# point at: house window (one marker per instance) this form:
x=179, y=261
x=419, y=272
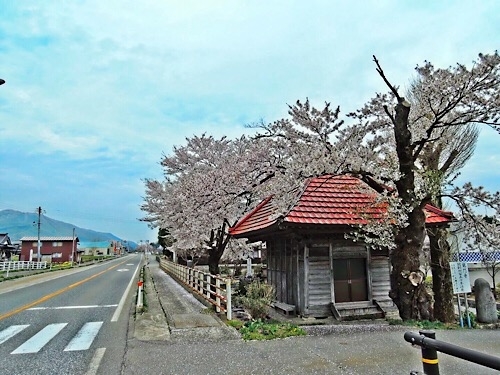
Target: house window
x=56, y=255
x=56, y=244
x=35, y=244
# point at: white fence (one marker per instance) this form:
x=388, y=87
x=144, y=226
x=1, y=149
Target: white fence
x=214, y=289
x=16, y=266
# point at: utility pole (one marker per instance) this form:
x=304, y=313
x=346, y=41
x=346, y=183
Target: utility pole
x=73, y=250
x=38, y=256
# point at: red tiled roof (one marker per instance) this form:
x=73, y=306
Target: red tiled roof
x=434, y=215
x=335, y=200
x=328, y=200
x=258, y=218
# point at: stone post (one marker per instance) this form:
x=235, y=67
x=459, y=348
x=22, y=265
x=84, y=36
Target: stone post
x=486, y=306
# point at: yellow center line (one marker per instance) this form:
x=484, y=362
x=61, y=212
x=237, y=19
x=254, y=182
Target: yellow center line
x=56, y=293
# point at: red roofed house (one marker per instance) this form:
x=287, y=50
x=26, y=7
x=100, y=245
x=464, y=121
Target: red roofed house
x=314, y=269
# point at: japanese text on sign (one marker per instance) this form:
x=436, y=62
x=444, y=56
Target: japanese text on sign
x=460, y=277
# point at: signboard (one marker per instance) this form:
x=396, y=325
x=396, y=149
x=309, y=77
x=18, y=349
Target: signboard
x=460, y=277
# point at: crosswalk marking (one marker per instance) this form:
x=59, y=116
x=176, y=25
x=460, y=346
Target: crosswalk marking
x=11, y=331
x=81, y=341
x=37, y=342
x=84, y=337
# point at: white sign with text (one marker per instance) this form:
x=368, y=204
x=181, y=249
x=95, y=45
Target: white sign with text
x=460, y=277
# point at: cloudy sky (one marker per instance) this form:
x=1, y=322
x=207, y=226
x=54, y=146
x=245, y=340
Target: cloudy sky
x=96, y=91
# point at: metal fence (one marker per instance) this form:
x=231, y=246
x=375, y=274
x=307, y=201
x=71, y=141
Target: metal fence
x=430, y=347
x=214, y=289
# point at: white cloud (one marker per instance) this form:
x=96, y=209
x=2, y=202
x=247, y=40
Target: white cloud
x=124, y=81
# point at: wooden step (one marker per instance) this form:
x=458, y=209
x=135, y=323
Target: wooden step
x=356, y=310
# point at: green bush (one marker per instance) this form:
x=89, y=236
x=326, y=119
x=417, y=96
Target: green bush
x=256, y=299
x=259, y=330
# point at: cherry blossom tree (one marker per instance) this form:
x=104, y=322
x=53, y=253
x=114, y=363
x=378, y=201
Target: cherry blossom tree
x=451, y=98
x=442, y=159
x=209, y=184
x=388, y=141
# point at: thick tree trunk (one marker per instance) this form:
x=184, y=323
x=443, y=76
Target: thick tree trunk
x=441, y=275
x=408, y=290
x=218, y=242
x=213, y=262
x=407, y=280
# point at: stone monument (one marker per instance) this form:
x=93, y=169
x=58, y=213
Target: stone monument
x=486, y=306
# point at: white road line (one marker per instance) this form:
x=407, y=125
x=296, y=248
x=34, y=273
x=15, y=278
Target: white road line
x=96, y=361
x=11, y=331
x=84, y=337
x=70, y=307
x=118, y=310
x=37, y=342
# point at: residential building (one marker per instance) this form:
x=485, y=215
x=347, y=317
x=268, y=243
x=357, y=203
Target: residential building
x=52, y=249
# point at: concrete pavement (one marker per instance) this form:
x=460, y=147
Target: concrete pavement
x=174, y=314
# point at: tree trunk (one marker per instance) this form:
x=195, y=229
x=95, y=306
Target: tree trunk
x=441, y=276
x=408, y=290
x=494, y=270
x=218, y=242
x=213, y=262
x=407, y=280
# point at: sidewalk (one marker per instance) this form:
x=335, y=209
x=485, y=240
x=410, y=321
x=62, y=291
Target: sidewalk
x=173, y=313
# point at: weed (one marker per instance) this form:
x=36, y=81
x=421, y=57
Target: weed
x=256, y=299
x=472, y=317
x=423, y=324
x=260, y=330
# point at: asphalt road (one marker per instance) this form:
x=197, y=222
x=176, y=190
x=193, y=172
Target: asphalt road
x=117, y=344
x=68, y=322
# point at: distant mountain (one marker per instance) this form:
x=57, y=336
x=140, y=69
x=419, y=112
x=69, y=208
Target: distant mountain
x=19, y=224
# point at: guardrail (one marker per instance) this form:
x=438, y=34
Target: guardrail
x=22, y=265
x=430, y=346
x=214, y=289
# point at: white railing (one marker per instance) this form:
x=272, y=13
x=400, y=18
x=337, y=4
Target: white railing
x=16, y=266
x=214, y=289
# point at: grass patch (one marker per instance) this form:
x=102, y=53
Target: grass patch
x=423, y=324
x=261, y=330
x=60, y=266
